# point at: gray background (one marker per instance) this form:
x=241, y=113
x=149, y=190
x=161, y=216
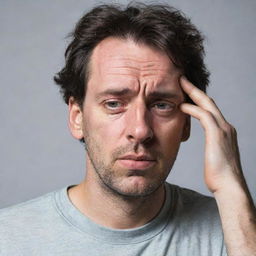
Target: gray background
x=38, y=154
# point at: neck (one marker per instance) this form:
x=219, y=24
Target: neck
x=112, y=210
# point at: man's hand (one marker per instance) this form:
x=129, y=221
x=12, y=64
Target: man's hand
x=222, y=161
x=223, y=173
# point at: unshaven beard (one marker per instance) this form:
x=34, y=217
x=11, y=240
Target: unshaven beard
x=106, y=178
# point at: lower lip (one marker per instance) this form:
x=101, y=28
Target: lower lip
x=138, y=165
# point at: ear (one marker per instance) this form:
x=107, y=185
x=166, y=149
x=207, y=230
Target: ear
x=75, y=120
x=186, y=129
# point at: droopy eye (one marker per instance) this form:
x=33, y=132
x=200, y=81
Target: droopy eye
x=163, y=106
x=113, y=104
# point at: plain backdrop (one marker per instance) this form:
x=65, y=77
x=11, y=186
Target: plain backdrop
x=37, y=152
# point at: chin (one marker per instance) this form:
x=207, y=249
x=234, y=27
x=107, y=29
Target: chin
x=135, y=186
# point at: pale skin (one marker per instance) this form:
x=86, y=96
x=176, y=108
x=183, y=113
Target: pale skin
x=138, y=128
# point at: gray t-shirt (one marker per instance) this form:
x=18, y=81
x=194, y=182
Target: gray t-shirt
x=188, y=224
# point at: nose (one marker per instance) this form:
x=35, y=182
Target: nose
x=139, y=128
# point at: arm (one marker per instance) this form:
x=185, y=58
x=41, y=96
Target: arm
x=223, y=173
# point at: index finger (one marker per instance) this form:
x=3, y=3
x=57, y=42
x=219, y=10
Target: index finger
x=201, y=99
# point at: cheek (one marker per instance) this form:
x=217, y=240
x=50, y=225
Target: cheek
x=104, y=129
x=169, y=132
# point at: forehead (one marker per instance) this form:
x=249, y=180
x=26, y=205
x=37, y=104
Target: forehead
x=115, y=59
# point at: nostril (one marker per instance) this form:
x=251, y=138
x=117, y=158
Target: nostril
x=141, y=139
x=130, y=137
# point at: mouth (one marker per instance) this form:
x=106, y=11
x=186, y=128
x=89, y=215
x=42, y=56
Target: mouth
x=137, y=162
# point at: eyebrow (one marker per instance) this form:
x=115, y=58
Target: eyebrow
x=127, y=91
x=116, y=92
x=163, y=95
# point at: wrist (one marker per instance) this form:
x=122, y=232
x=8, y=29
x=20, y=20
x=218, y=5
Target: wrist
x=232, y=181
x=233, y=193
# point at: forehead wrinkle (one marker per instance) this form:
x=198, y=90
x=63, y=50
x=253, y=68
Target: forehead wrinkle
x=137, y=74
x=130, y=61
x=144, y=65
x=152, y=70
x=146, y=79
x=140, y=72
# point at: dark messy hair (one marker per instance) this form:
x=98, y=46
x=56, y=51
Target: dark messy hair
x=159, y=26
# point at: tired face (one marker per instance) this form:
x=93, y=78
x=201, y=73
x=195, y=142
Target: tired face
x=130, y=119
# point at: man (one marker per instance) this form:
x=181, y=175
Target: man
x=132, y=79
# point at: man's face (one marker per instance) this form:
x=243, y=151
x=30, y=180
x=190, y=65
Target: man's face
x=130, y=120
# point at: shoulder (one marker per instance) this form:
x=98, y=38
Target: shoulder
x=33, y=206
x=27, y=218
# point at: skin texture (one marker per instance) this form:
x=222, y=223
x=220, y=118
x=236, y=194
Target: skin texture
x=132, y=126
x=133, y=133
x=135, y=123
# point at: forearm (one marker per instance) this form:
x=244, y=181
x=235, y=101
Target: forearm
x=223, y=173
x=238, y=217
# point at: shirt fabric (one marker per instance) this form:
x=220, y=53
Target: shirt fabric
x=188, y=224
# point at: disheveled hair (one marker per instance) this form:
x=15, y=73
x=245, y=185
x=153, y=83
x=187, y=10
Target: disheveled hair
x=156, y=25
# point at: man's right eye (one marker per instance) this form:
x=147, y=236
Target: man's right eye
x=113, y=104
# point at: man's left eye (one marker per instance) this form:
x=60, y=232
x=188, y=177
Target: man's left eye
x=163, y=106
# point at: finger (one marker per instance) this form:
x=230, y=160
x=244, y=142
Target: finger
x=201, y=99
x=206, y=118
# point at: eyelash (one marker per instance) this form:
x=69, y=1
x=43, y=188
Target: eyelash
x=120, y=108
x=112, y=101
x=171, y=105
